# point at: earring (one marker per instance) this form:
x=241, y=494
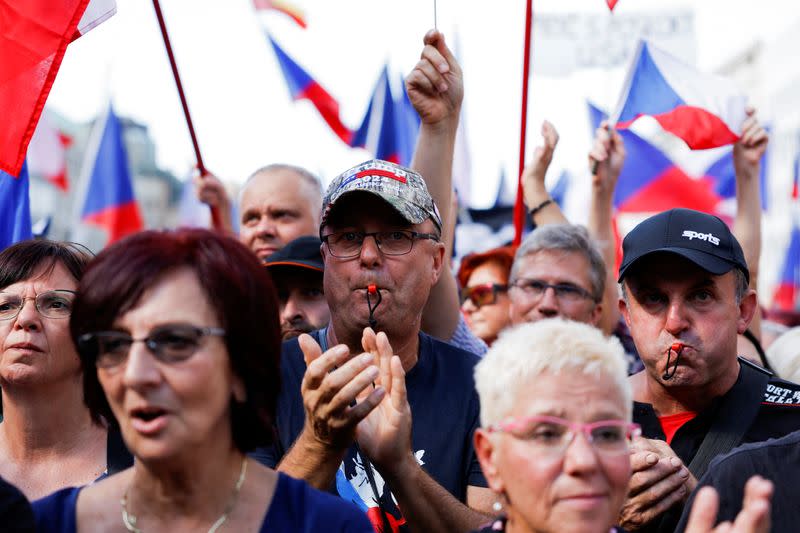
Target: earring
x=497, y=507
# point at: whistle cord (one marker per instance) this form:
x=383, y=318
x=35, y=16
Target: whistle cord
x=373, y=323
x=677, y=348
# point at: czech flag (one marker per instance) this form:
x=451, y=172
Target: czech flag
x=651, y=182
x=705, y=111
x=785, y=296
x=379, y=132
x=302, y=86
x=34, y=35
x=721, y=174
x=110, y=203
x=15, y=209
x=408, y=122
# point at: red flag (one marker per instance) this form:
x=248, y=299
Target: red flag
x=33, y=38
x=611, y=4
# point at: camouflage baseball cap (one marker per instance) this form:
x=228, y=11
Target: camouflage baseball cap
x=401, y=187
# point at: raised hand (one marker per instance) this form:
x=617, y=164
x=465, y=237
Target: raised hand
x=753, y=518
x=436, y=85
x=748, y=151
x=608, y=154
x=385, y=433
x=535, y=171
x=331, y=384
x=211, y=191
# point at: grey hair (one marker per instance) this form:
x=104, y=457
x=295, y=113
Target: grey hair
x=551, y=346
x=568, y=238
x=304, y=174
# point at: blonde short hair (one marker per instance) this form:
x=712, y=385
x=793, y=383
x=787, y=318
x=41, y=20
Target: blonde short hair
x=554, y=345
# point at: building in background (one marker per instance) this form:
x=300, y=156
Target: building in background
x=156, y=190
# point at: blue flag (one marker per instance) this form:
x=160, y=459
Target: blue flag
x=15, y=208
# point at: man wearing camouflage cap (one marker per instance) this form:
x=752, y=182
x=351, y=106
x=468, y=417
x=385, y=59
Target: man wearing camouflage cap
x=387, y=420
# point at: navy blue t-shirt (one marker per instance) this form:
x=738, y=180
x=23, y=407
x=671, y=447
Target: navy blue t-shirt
x=777, y=460
x=295, y=507
x=445, y=413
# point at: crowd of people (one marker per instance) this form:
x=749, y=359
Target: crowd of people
x=327, y=369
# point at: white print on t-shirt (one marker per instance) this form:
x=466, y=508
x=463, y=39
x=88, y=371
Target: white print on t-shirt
x=780, y=395
x=360, y=482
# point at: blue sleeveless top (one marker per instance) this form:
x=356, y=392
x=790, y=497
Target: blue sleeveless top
x=295, y=507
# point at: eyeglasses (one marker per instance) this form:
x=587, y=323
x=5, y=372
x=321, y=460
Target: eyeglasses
x=565, y=292
x=50, y=304
x=347, y=244
x=480, y=295
x=169, y=344
x=552, y=436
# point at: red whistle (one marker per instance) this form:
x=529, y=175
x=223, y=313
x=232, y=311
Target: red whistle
x=676, y=347
x=372, y=289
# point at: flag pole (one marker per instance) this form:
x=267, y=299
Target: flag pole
x=519, y=206
x=215, y=216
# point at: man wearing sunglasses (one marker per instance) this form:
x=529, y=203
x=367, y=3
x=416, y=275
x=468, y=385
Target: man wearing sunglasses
x=557, y=272
x=390, y=429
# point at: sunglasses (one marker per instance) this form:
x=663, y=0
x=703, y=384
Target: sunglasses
x=169, y=344
x=480, y=295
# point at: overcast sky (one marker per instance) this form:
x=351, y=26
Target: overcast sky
x=241, y=107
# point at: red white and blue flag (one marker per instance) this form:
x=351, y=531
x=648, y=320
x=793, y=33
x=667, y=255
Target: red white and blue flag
x=721, y=174
x=303, y=86
x=110, y=202
x=380, y=132
x=651, y=182
x=786, y=292
x=703, y=110
x=15, y=211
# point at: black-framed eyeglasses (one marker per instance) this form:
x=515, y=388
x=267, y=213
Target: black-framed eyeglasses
x=483, y=294
x=565, y=292
x=169, y=344
x=49, y=304
x=347, y=244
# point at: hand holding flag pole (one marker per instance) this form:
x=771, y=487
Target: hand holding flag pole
x=216, y=220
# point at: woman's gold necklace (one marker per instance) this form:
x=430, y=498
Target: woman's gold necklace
x=129, y=519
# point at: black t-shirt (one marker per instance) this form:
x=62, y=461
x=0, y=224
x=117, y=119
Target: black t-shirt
x=15, y=511
x=445, y=413
x=778, y=415
x=777, y=460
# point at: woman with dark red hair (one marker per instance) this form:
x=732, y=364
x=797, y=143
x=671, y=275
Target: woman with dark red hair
x=179, y=342
x=484, y=294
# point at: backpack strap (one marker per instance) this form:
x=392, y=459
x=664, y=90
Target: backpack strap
x=734, y=417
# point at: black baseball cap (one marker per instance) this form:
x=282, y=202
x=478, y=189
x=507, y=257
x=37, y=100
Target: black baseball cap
x=703, y=239
x=303, y=252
